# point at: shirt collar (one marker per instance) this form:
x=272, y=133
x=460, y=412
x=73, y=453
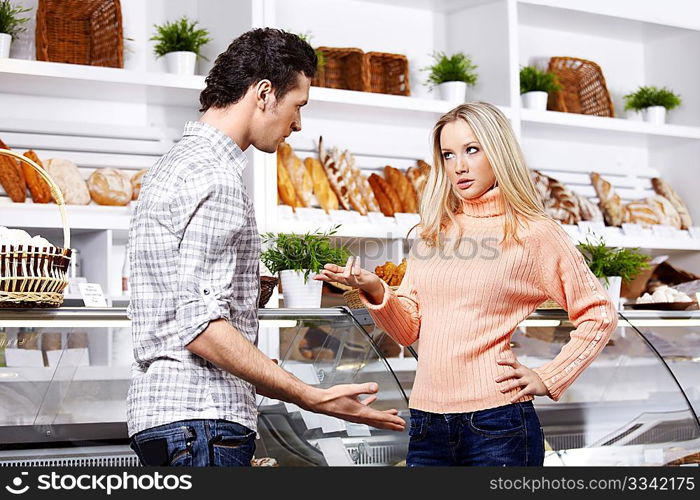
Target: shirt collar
x=221, y=144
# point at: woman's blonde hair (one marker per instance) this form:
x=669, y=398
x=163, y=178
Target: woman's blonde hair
x=492, y=129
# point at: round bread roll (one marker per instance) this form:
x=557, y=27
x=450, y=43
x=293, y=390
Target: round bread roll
x=66, y=174
x=136, y=181
x=109, y=186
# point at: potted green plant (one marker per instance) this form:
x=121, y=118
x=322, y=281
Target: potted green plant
x=180, y=42
x=451, y=75
x=535, y=86
x=613, y=265
x=11, y=25
x=653, y=102
x=298, y=258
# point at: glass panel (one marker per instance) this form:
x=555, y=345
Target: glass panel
x=326, y=350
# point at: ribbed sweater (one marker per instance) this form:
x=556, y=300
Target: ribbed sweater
x=464, y=306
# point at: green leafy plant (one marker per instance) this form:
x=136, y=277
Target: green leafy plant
x=180, y=35
x=319, y=55
x=645, y=97
x=455, y=68
x=534, y=79
x=10, y=22
x=604, y=261
x=308, y=252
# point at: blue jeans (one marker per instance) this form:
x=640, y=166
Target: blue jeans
x=195, y=443
x=505, y=436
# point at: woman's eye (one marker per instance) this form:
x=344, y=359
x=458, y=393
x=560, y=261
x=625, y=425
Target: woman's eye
x=447, y=156
x=471, y=150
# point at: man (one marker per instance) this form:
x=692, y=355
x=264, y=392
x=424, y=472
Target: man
x=195, y=249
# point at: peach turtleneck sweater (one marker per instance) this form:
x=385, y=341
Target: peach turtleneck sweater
x=464, y=305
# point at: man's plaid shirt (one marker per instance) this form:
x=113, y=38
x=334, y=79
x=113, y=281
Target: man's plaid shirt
x=194, y=251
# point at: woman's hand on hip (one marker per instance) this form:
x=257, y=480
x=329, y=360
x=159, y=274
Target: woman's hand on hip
x=352, y=275
x=522, y=377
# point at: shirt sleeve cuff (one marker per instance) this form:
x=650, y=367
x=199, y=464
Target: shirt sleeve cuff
x=554, y=390
x=196, y=309
x=376, y=307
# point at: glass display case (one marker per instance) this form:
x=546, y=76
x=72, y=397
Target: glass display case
x=64, y=375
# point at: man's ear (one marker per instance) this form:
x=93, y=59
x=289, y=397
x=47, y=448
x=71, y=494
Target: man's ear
x=263, y=94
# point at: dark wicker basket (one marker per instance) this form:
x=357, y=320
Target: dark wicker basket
x=343, y=69
x=80, y=32
x=583, y=89
x=267, y=286
x=387, y=73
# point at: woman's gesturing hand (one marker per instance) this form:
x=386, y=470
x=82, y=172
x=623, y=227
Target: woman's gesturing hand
x=520, y=377
x=353, y=275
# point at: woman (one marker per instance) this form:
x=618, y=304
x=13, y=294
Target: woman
x=487, y=255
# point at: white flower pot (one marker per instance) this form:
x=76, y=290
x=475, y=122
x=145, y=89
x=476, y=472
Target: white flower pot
x=180, y=63
x=654, y=114
x=298, y=294
x=5, y=42
x=613, y=288
x=453, y=91
x=535, y=99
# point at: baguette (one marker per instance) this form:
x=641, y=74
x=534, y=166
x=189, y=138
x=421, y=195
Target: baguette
x=285, y=188
x=664, y=189
x=38, y=188
x=610, y=202
x=377, y=184
x=300, y=177
x=405, y=190
x=12, y=177
x=321, y=186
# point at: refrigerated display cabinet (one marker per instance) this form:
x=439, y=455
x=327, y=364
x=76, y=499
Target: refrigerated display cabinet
x=65, y=375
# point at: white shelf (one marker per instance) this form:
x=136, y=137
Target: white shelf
x=614, y=237
x=65, y=373
x=576, y=122
x=88, y=217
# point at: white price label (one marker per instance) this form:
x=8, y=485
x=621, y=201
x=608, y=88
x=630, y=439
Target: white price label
x=694, y=231
x=595, y=227
x=92, y=295
x=632, y=229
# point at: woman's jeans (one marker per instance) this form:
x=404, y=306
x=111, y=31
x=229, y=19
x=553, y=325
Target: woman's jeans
x=195, y=443
x=505, y=436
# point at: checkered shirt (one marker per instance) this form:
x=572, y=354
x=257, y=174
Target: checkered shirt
x=194, y=253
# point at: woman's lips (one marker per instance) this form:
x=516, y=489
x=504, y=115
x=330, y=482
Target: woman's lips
x=465, y=184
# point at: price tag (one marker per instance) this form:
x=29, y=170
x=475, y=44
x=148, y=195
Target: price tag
x=312, y=215
x=404, y=219
x=285, y=212
x=595, y=227
x=663, y=231
x=92, y=295
x=694, y=232
x=632, y=229
x=377, y=218
x=343, y=216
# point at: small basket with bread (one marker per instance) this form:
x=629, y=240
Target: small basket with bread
x=390, y=273
x=33, y=273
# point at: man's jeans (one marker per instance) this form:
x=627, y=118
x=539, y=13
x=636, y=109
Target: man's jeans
x=505, y=436
x=195, y=443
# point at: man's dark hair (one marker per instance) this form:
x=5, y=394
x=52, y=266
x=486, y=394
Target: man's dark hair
x=259, y=54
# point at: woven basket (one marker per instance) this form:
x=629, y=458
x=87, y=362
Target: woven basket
x=352, y=297
x=549, y=304
x=387, y=73
x=267, y=286
x=32, y=276
x=343, y=69
x=80, y=32
x=583, y=89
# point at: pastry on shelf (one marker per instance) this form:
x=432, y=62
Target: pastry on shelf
x=12, y=177
x=386, y=196
x=300, y=177
x=66, y=175
x=391, y=273
x=323, y=191
x=559, y=202
x=136, y=181
x=664, y=189
x=109, y=186
x=285, y=189
x=418, y=176
x=588, y=211
x=651, y=211
x=610, y=202
x=38, y=188
x=664, y=293
x=407, y=194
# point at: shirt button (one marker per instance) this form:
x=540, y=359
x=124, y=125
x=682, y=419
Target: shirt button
x=206, y=291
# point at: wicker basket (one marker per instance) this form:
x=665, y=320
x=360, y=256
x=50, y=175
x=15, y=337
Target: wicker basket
x=549, y=304
x=267, y=286
x=80, y=32
x=352, y=297
x=583, y=88
x=387, y=73
x=32, y=276
x=343, y=69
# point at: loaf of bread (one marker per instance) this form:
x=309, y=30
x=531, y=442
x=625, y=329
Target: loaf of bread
x=666, y=211
x=640, y=212
x=12, y=177
x=109, y=186
x=347, y=181
x=563, y=202
x=588, y=210
x=664, y=189
x=66, y=175
x=404, y=188
x=285, y=188
x=38, y=188
x=301, y=179
x=418, y=176
x=323, y=191
x=610, y=203
x=378, y=184
x=136, y=181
